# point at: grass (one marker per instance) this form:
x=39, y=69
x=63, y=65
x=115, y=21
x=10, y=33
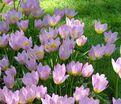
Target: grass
x=107, y=11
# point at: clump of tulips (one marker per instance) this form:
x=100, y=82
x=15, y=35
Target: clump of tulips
x=36, y=64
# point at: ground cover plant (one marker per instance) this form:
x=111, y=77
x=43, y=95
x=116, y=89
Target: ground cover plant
x=62, y=57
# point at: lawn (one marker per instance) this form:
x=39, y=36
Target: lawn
x=107, y=11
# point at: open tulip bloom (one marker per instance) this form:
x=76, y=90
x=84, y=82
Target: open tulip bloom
x=48, y=58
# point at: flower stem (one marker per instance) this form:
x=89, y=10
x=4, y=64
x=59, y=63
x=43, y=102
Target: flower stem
x=60, y=89
x=116, y=93
x=71, y=88
x=2, y=7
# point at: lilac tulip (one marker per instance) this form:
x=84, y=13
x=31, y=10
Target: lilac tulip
x=116, y=101
x=81, y=40
x=100, y=28
x=88, y=100
x=26, y=43
x=4, y=63
x=26, y=7
x=87, y=70
x=37, y=52
x=64, y=31
x=23, y=24
x=31, y=64
x=4, y=27
x=22, y=57
x=4, y=40
x=9, y=81
x=74, y=23
x=96, y=52
x=59, y=12
x=46, y=35
x=70, y=13
x=59, y=74
x=109, y=49
x=110, y=37
x=64, y=52
x=43, y=71
x=55, y=99
x=66, y=49
x=117, y=66
x=52, y=45
x=30, y=79
x=52, y=20
x=74, y=68
x=41, y=91
x=9, y=96
x=15, y=40
x=38, y=24
x=11, y=71
x=37, y=12
x=13, y=16
x=81, y=92
x=99, y=82
x=27, y=94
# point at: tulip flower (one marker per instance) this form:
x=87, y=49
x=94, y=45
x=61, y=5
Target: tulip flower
x=64, y=31
x=74, y=23
x=37, y=52
x=11, y=71
x=59, y=12
x=22, y=57
x=4, y=27
x=81, y=92
x=9, y=81
x=52, y=45
x=30, y=79
x=99, y=82
x=110, y=37
x=59, y=74
x=4, y=63
x=38, y=24
x=81, y=40
x=46, y=35
x=66, y=49
x=55, y=99
x=88, y=100
x=100, y=28
x=26, y=43
x=116, y=101
x=4, y=40
x=43, y=71
x=96, y=52
x=117, y=66
x=52, y=20
x=41, y=91
x=70, y=13
x=13, y=16
x=27, y=94
x=109, y=49
x=23, y=24
x=31, y=64
x=16, y=39
x=74, y=68
x=87, y=70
